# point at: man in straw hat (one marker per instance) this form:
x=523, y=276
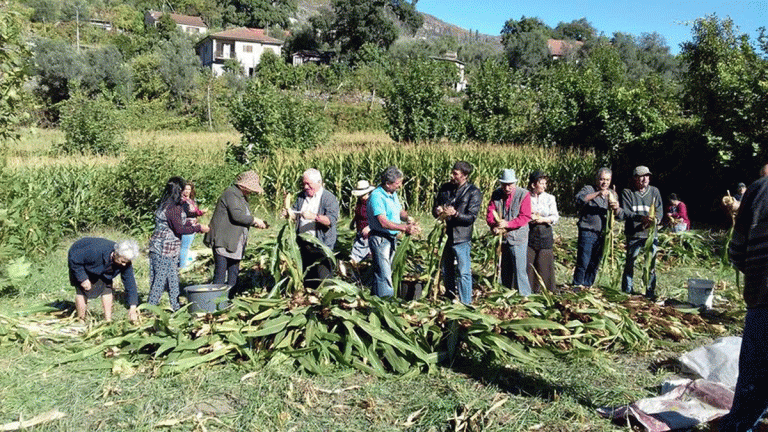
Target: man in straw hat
x=641, y=209
x=509, y=212
x=458, y=203
x=229, y=225
x=360, y=249
x=318, y=212
x=385, y=215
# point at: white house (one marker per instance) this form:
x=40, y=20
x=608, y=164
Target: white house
x=246, y=45
x=188, y=24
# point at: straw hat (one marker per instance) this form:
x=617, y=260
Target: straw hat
x=508, y=176
x=249, y=180
x=362, y=188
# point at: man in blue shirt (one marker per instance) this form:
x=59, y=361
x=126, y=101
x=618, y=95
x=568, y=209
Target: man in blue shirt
x=385, y=216
x=93, y=263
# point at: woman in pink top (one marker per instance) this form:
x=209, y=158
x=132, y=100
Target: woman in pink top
x=192, y=212
x=677, y=215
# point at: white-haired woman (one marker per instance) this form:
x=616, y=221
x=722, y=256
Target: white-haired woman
x=93, y=264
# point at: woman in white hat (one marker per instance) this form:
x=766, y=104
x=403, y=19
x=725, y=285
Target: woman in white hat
x=360, y=249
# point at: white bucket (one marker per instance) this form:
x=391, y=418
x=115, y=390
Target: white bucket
x=701, y=292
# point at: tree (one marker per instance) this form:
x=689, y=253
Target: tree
x=407, y=14
x=527, y=51
x=416, y=105
x=269, y=120
x=362, y=21
x=14, y=57
x=525, y=43
x=179, y=67
x=725, y=86
x=580, y=30
x=258, y=13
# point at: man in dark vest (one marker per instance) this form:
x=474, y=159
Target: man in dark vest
x=458, y=202
x=509, y=212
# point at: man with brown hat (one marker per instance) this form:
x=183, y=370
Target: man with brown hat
x=229, y=227
x=641, y=209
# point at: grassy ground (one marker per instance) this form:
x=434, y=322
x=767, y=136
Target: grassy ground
x=560, y=394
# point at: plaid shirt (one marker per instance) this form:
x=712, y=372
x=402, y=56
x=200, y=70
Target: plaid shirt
x=170, y=225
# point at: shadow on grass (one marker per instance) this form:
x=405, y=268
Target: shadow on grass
x=512, y=381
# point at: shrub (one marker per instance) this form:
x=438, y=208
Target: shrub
x=91, y=126
x=416, y=106
x=269, y=119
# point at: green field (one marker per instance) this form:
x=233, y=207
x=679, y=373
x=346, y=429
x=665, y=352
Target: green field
x=115, y=390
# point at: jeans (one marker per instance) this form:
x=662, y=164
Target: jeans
x=460, y=253
x=514, y=267
x=186, y=242
x=382, y=252
x=588, y=256
x=634, y=247
x=751, y=395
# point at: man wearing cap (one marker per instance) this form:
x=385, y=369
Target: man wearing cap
x=637, y=203
x=749, y=253
x=229, y=225
x=458, y=203
x=509, y=212
x=360, y=249
x=385, y=214
x=318, y=212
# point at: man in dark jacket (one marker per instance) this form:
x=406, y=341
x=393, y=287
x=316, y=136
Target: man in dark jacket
x=458, y=203
x=318, y=212
x=749, y=254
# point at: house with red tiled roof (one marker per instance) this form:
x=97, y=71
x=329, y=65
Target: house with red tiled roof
x=559, y=48
x=188, y=24
x=246, y=45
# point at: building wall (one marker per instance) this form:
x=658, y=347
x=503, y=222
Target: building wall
x=214, y=52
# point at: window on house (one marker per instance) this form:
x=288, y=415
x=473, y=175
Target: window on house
x=248, y=48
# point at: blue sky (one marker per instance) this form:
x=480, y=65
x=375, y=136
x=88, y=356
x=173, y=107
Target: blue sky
x=671, y=18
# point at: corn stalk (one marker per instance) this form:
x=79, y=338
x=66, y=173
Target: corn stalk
x=648, y=252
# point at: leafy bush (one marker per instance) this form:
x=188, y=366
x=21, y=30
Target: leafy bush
x=269, y=120
x=91, y=126
x=416, y=105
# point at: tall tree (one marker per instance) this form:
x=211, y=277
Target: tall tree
x=258, y=13
x=525, y=43
x=363, y=21
x=726, y=86
x=14, y=57
x=580, y=30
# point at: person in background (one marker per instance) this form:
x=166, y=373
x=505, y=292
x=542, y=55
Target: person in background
x=359, y=223
x=740, y=189
x=93, y=264
x=458, y=202
x=385, y=214
x=677, y=214
x=193, y=212
x=509, y=212
x=749, y=253
x=229, y=227
x=165, y=244
x=637, y=203
x=318, y=211
x=594, y=203
x=541, y=257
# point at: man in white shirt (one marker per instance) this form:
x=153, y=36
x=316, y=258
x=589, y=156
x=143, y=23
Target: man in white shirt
x=318, y=211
